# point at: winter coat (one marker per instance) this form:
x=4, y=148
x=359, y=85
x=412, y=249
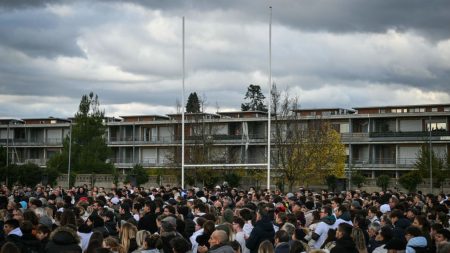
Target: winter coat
x=282, y=247
x=416, y=244
x=344, y=245
x=148, y=222
x=221, y=248
x=263, y=230
x=63, y=240
x=30, y=244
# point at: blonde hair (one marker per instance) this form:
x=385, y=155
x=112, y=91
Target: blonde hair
x=127, y=231
x=140, y=237
x=113, y=244
x=266, y=247
x=358, y=237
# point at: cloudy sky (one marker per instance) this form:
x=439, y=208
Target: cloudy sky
x=345, y=53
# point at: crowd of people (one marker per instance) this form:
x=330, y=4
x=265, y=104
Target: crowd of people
x=220, y=220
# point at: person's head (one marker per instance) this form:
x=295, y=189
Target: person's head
x=359, y=239
x=281, y=236
x=93, y=245
x=421, y=222
x=9, y=247
x=411, y=232
x=180, y=245
x=442, y=236
x=296, y=247
x=289, y=228
x=42, y=232
x=343, y=230
x=112, y=244
x=385, y=234
x=140, y=237
x=238, y=223
x=218, y=237
x=326, y=211
x=266, y=247
x=10, y=225
x=373, y=229
x=153, y=242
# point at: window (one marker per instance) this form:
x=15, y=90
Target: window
x=434, y=109
x=446, y=109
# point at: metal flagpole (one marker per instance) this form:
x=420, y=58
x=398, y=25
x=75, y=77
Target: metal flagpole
x=70, y=154
x=182, y=116
x=270, y=100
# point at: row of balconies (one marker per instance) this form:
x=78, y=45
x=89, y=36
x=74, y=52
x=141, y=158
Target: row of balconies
x=227, y=139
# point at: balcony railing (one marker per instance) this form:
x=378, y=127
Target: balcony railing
x=400, y=162
x=32, y=142
x=422, y=134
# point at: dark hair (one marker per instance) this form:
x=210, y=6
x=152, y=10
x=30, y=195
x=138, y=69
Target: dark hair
x=346, y=229
x=12, y=223
x=26, y=227
x=93, y=246
x=9, y=247
x=31, y=216
x=387, y=233
x=296, y=247
x=239, y=221
x=180, y=245
x=43, y=229
x=235, y=245
x=414, y=231
x=246, y=214
x=282, y=236
x=154, y=242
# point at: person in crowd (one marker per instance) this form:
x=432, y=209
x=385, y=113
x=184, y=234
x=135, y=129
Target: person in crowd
x=344, y=242
x=263, y=229
x=64, y=239
x=282, y=242
x=113, y=245
x=127, y=237
x=320, y=233
x=152, y=244
x=416, y=242
x=180, y=245
x=266, y=247
x=217, y=243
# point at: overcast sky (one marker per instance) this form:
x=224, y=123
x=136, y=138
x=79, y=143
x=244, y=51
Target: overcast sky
x=346, y=53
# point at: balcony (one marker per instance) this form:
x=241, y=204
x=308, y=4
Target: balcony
x=384, y=163
x=38, y=161
x=140, y=141
x=414, y=135
x=32, y=142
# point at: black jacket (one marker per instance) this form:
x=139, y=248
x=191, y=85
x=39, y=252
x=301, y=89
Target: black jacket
x=263, y=230
x=63, y=240
x=148, y=222
x=344, y=245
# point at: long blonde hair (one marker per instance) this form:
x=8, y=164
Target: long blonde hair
x=266, y=247
x=359, y=239
x=128, y=231
x=113, y=244
x=140, y=237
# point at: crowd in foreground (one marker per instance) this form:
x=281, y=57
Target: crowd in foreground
x=220, y=220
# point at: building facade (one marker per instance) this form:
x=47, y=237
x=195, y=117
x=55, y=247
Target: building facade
x=378, y=140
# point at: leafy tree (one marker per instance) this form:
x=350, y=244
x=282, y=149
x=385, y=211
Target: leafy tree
x=139, y=173
x=410, y=180
x=232, y=179
x=28, y=174
x=89, y=152
x=383, y=182
x=358, y=179
x=331, y=182
x=193, y=103
x=440, y=172
x=256, y=99
x=3, y=156
x=304, y=153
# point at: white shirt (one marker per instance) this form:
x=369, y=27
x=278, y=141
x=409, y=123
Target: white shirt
x=322, y=230
x=248, y=227
x=339, y=221
x=194, y=241
x=240, y=238
x=84, y=239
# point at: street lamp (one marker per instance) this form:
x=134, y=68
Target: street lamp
x=70, y=154
x=430, y=155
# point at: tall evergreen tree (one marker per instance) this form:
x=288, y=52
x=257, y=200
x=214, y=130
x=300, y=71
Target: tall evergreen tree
x=89, y=150
x=193, y=103
x=255, y=99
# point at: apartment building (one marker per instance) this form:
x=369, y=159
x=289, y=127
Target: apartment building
x=382, y=139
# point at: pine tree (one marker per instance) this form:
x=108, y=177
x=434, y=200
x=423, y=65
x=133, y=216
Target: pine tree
x=256, y=99
x=193, y=103
x=89, y=150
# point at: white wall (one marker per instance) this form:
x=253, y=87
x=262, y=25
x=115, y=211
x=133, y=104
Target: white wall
x=149, y=155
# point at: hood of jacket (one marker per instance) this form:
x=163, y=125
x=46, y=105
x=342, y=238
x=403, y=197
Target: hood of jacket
x=64, y=235
x=345, y=216
x=403, y=223
x=418, y=241
x=265, y=224
x=346, y=243
x=329, y=220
